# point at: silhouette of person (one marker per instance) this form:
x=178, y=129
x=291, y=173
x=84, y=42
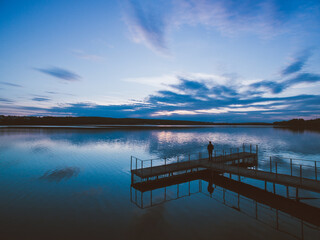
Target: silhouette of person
x=210, y=148
x=210, y=187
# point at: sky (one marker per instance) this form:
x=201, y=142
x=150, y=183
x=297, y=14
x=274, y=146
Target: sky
x=204, y=60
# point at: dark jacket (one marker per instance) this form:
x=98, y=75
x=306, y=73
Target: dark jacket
x=210, y=147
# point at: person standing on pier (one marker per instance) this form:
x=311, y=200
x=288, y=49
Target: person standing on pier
x=210, y=148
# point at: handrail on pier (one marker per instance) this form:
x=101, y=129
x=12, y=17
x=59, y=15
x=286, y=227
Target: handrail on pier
x=137, y=163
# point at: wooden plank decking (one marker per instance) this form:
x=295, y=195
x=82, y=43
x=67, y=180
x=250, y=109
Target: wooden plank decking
x=229, y=164
x=283, y=179
x=188, y=165
x=295, y=208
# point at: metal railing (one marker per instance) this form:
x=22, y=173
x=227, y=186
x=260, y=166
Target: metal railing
x=294, y=167
x=137, y=163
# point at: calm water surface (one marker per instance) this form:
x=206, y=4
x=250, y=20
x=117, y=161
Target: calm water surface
x=75, y=184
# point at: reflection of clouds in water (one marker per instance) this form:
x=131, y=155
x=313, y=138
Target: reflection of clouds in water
x=60, y=174
x=170, y=142
x=175, y=142
x=151, y=224
x=94, y=191
x=39, y=149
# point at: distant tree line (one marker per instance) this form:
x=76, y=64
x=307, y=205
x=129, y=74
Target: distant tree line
x=19, y=120
x=67, y=121
x=300, y=124
x=60, y=121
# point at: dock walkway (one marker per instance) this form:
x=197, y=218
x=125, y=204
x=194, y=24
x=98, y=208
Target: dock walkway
x=171, y=168
x=239, y=163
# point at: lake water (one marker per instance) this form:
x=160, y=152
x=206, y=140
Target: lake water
x=76, y=184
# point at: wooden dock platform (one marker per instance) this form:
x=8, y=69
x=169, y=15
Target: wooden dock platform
x=287, y=180
x=290, y=206
x=171, y=168
x=233, y=163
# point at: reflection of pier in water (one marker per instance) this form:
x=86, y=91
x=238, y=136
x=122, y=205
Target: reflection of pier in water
x=258, y=203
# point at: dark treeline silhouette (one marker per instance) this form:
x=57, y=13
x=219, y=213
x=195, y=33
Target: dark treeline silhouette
x=300, y=124
x=59, y=121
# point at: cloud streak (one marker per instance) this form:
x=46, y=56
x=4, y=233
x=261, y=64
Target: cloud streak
x=207, y=98
x=298, y=63
x=5, y=100
x=150, y=23
x=195, y=100
x=147, y=24
x=10, y=84
x=40, y=99
x=60, y=73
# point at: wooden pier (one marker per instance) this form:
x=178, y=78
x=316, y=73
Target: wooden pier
x=287, y=205
x=192, y=165
x=243, y=164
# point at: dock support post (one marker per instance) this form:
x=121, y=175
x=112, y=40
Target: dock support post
x=300, y=174
x=256, y=209
x=238, y=169
x=270, y=165
x=297, y=194
x=243, y=148
x=287, y=191
x=291, y=165
x=238, y=201
x=315, y=170
x=165, y=193
x=141, y=200
x=165, y=164
x=277, y=216
x=274, y=188
x=250, y=148
x=265, y=185
x=131, y=164
x=135, y=196
x=238, y=153
x=276, y=169
x=302, y=235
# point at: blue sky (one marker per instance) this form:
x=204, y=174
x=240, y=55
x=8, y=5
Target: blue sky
x=207, y=60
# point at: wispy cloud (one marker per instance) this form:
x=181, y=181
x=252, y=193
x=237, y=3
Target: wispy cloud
x=205, y=97
x=60, y=73
x=91, y=57
x=298, y=63
x=196, y=100
x=58, y=175
x=40, y=99
x=149, y=23
x=10, y=84
x=5, y=100
x=291, y=75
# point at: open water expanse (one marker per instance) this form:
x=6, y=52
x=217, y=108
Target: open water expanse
x=76, y=184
